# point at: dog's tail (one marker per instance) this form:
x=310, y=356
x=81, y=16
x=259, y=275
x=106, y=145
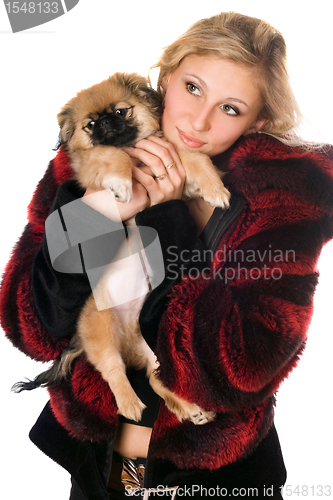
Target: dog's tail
x=54, y=375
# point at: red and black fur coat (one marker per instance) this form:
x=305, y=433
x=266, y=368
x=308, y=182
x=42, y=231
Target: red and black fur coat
x=228, y=336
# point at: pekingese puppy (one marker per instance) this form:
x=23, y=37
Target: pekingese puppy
x=95, y=127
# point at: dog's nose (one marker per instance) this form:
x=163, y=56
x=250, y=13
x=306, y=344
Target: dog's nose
x=107, y=124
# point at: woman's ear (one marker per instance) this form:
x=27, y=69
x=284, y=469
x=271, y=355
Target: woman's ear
x=165, y=81
x=257, y=126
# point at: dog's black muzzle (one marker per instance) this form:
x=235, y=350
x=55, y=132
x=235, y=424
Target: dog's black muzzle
x=114, y=130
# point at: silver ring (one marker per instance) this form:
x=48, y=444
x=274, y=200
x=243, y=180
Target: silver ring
x=170, y=166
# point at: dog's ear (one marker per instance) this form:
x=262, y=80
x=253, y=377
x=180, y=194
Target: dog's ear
x=140, y=87
x=66, y=123
x=152, y=98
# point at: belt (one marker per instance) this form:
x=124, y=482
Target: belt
x=127, y=480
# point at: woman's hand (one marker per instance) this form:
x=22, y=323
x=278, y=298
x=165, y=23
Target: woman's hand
x=105, y=203
x=163, y=175
x=161, y=178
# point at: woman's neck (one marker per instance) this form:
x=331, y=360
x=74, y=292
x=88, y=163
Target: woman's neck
x=201, y=212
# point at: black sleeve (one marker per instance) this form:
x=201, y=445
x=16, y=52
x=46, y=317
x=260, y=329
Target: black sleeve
x=59, y=278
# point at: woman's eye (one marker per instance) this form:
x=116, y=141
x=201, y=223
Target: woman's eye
x=229, y=109
x=193, y=89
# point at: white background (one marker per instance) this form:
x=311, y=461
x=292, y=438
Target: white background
x=40, y=70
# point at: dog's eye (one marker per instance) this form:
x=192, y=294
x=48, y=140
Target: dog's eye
x=90, y=125
x=124, y=112
x=121, y=111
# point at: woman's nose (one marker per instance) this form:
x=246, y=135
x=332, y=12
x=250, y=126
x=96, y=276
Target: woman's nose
x=201, y=119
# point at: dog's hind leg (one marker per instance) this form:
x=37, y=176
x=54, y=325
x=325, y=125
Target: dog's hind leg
x=98, y=331
x=184, y=410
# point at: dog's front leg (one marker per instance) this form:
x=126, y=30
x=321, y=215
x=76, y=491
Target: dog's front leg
x=98, y=331
x=203, y=180
x=104, y=167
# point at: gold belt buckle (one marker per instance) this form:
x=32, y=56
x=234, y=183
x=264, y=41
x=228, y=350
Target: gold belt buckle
x=132, y=477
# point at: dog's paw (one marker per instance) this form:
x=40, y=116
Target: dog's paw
x=217, y=197
x=121, y=188
x=188, y=411
x=200, y=417
x=131, y=408
x=196, y=414
x=215, y=193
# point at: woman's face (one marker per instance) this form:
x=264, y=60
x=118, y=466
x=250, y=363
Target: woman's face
x=209, y=103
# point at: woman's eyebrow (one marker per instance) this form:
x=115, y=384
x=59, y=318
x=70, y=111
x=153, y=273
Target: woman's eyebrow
x=235, y=99
x=202, y=82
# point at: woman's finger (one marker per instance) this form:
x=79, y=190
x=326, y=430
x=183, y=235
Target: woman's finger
x=162, y=150
x=163, y=175
x=159, y=189
x=149, y=158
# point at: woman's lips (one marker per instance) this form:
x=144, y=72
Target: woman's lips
x=190, y=141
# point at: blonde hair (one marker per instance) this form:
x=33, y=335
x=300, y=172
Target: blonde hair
x=250, y=42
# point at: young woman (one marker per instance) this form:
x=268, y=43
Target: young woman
x=229, y=321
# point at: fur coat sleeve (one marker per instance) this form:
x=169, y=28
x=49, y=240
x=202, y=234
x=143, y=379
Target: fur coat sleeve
x=241, y=326
x=18, y=313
